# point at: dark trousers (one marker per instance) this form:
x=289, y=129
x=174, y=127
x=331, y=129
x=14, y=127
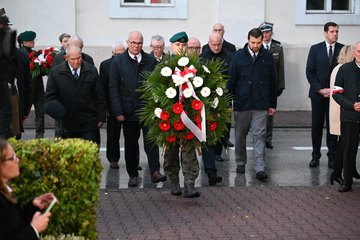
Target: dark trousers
x=93, y=136
x=219, y=146
x=131, y=138
x=208, y=157
x=38, y=99
x=113, y=130
x=350, y=142
x=338, y=167
x=320, y=114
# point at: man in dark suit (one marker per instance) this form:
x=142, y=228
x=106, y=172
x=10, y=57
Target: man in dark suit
x=125, y=78
x=76, y=85
x=157, y=45
x=321, y=60
x=113, y=127
x=278, y=54
x=219, y=28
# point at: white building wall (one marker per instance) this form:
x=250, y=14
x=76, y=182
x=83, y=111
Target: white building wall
x=90, y=20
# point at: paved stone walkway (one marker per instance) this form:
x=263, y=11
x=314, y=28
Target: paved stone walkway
x=255, y=212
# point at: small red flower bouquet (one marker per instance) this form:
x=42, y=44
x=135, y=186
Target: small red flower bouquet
x=41, y=62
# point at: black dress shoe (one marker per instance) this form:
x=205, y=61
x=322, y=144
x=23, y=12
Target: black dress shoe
x=314, y=163
x=344, y=188
x=228, y=144
x=133, y=182
x=339, y=180
x=356, y=175
x=213, y=180
x=261, y=176
x=269, y=145
x=157, y=177
x=219, y=158
x=240, y=169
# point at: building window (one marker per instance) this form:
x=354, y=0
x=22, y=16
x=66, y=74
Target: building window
x=328, y=6
x=151, y=3
x=318, y=12
x=150, y=9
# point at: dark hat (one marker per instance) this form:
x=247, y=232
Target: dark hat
x=27, y=36
x=3, y=18
x=55, y=109
x=266, y=26
x=180, y=37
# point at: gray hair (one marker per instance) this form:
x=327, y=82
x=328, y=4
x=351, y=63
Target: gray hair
x=157, y=38
x=76, y=40
x=116, y=44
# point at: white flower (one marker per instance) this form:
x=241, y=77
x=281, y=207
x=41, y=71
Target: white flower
x=178, y=80
x=215, y=103
x=219, y=91
x=205, y=92
x=166, y=72
x=205, y=69
x=170, y=92
x=187, y=93
x=198, y=81
x=158, y=112
x=183, y=61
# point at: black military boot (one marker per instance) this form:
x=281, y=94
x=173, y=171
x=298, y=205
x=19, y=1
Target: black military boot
x=175, y=189
x=214, y=179
x=190, y=192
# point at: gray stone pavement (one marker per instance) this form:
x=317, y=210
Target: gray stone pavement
x=295, y=203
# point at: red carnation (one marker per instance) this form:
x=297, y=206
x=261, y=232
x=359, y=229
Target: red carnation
x=31, y=65
x=196, y=104
x=212, y=126
x=164, y=115
x=189, y=136
x=177, y=108
x=197, y=119
x=164, y=125
x=171, y=138
x=179, y=125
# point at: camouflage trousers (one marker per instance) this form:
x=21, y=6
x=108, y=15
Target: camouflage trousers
x=189, y=163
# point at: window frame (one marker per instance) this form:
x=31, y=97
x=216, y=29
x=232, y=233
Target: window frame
x=316, y=17
x=328, y=6
x=177, y=9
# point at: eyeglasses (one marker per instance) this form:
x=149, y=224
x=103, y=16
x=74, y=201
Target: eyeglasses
x=196, y=48
x=13, y=158
x=157, y=47
x=136, y=43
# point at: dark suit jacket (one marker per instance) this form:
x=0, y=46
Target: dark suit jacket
x=15, y=222
x=318, y=68
x=83, y=99
x=226, y=45
x=59, y=58
x=104, y=79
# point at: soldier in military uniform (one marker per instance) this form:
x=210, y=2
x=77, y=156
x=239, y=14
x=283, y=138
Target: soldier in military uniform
x=27, y=39
x=189, y=162
x=276, y=49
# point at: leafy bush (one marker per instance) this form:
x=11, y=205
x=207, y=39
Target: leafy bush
x=71, y=169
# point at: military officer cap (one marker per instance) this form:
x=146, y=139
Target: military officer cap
x=4, y=20
x=27, y=36
x=179, y=37
x=55, y=109
x=266, y=26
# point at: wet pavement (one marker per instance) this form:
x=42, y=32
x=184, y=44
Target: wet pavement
x=295, y=203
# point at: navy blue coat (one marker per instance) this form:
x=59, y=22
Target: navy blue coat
x=125, y=79
x=252, y=84
x=318, y=68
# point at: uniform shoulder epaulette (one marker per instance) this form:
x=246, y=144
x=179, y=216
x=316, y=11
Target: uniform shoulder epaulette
x=275, y=41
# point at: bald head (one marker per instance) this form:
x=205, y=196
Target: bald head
x=219, y=28
x=75, y=41
x=215, y=42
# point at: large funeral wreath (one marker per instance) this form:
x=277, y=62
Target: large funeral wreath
x=186, y=102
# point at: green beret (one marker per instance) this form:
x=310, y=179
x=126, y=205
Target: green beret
x=179, y=37
x=27, y=36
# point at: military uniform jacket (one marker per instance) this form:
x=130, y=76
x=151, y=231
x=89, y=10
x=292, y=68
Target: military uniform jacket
x=125, y=79
x=278, y=54
x=83, y=99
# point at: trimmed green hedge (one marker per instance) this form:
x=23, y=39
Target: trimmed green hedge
x=71, y=169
